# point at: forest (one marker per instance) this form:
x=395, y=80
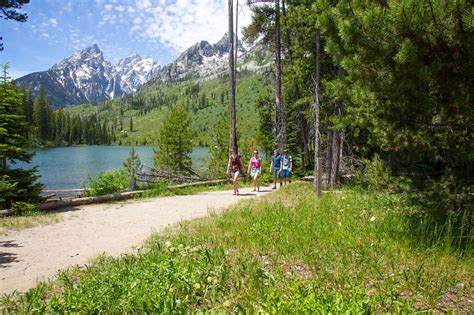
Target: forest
x=374, y=101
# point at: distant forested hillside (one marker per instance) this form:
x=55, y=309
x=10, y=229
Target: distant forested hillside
x=136, y=119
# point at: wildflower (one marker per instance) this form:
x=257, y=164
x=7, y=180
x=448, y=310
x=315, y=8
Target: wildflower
x=372, y=219
x=197, y=286
x=339, y=223
x=226, y=304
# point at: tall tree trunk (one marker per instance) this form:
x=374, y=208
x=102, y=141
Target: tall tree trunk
x=335, y=161
x=306, y=148
x=329, y=156
x=232, y=134
x=4, y=165
x=336, y=151
x=341, y=152
x=236, y=47
x=280, y=114
x=317, y=136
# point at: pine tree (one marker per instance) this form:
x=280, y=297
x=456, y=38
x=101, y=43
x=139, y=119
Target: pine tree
x=15, y=184
x=410, y=67
x=266, y=134
x=42, y=116
x=132, y=166
x=175, y=142
x=131, y=124
x=218, y=149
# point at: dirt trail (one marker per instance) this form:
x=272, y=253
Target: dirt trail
x=35, y=254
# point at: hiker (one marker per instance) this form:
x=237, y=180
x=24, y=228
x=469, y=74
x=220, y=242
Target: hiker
x=234, y=169
x=275, y=168
x=255, y=170
x=286, y=167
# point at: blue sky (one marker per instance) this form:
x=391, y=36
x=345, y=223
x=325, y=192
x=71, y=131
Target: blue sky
x=160, y=29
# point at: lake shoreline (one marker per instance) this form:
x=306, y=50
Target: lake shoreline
x=71, y=167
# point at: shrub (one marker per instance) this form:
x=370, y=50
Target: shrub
x=107, y=182
x=22, y=208
x=377, y=177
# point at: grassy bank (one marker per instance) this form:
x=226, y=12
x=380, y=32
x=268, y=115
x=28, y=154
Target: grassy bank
x=287, y=252
x=27, y=220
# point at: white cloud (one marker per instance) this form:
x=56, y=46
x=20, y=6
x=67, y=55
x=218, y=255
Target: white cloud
x=143, y=4
x=182, y=23
x=53, y=22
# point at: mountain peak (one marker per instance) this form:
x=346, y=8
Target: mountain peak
x=223, y=45
x=94, y=48
x=86, y=77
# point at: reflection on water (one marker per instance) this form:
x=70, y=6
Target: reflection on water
x=68, y=167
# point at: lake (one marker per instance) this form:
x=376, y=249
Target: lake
x=69, y=167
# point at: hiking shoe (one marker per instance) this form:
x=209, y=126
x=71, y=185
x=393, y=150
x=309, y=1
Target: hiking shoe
x=274, y=187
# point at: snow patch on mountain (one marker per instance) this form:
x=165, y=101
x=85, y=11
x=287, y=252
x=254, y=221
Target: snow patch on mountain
x=86, y=77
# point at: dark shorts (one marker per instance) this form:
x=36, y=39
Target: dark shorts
x=276, y=173
x=285, y=173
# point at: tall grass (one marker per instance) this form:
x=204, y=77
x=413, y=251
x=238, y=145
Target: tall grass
x=349, y=251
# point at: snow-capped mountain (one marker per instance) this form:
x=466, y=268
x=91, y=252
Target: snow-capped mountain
x=86, y=77
x=134, y=71
x=199, y=61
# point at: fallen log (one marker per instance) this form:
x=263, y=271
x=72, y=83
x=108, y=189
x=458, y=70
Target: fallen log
x=6, y=212
x=207, y=182
x=89, y=200
x=49, y=196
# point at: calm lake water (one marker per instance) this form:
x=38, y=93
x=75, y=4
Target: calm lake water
x=68, y=167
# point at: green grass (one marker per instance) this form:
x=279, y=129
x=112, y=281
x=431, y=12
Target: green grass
x=27, y=220
x=146, y=126
x=350, y=251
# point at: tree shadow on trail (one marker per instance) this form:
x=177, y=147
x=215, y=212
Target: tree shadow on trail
x=5, y=257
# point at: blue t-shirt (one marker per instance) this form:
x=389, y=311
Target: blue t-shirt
x=276, y=160
x=286, y=162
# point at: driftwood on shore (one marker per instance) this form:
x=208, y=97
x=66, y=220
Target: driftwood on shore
x=149, y=174
x=89, y=200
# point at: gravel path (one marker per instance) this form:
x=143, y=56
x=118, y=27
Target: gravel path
x=35, y=254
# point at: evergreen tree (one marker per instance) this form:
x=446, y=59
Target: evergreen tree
x=218, y=149
x=131, y=124
x=11, y=10
x=410, y=69
x=175, y=142
x=266, y=134
x=132, y=166
x=42, y=116
x=15, y=184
